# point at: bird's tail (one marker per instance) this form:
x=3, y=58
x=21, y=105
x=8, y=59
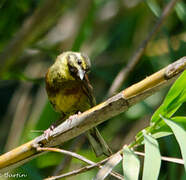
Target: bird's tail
x=98, y=143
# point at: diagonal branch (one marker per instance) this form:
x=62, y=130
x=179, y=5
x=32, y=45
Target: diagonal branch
x=94, y=116
x=81, y=158
x=133, y=61
x=78, y=171
x=62, y=151
x=89, y=167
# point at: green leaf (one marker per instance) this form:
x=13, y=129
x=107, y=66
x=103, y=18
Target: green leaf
x=174, y=99
x=180, y=135
x=152, y=158
x=165, y=130
x=131, y=164
x=180, y=8
x=155, y=8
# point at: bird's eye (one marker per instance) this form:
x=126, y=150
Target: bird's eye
x=79, y=61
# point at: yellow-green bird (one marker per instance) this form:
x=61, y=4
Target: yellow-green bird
x=70, y=92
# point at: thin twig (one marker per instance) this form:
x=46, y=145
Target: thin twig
x=169, y=159
x=65, y=163
x=84, y=169
x=133, y=61
x=77, y=156
x=78, y=171
x=89, y=167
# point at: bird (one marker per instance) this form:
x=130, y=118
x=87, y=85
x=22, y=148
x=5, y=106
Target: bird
x=70, y=92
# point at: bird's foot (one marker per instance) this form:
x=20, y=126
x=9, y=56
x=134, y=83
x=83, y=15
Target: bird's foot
x=74, y=117
x=47, y=132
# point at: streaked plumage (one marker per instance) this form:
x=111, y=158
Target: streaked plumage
x=69, y=91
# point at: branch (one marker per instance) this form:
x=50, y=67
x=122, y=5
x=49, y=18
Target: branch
x=133, y=61
x=94, y=116
x=65, y=163
x=164, y=158
x=77, y=156
x=89, y=167
x=78, y=171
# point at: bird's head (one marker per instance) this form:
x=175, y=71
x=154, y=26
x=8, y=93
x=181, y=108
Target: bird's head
x=68, y=66
x=78, y=64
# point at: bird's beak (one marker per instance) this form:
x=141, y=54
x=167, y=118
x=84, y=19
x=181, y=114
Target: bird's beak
x=81, y=73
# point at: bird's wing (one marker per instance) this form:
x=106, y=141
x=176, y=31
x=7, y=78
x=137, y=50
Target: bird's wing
x=98, y=143
x=87, y=88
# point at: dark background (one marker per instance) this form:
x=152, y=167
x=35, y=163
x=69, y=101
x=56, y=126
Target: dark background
x=109, y=32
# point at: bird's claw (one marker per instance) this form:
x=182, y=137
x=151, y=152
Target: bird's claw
x=47, y=132
x=74, y=117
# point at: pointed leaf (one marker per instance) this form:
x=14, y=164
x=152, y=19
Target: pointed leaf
x=131, y=164
x=165, y=130
x=155, y=8
x=152, y=160
x=174, y=99
x=180, y=135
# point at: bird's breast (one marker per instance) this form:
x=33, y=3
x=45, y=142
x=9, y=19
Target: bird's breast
x=69, y=98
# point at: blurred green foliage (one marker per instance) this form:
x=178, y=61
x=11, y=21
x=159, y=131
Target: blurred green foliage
x=109, y=32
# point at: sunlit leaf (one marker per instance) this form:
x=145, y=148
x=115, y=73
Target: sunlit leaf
x=131, y=164
x=152, y=158
x=180, y=135
x=181, y=10
x=165, y=130
x=174, y=99
x=153, y=5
